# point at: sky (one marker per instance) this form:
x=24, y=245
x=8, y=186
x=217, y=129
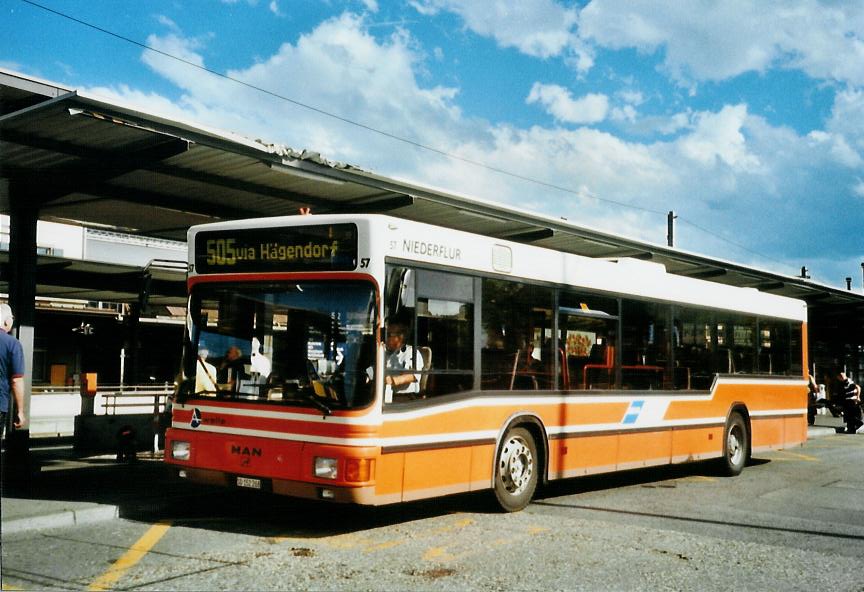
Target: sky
x=744, y=118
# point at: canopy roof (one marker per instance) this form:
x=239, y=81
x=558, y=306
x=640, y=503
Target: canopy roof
x=83, y=160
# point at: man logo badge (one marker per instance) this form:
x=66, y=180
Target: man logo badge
x=196, y=418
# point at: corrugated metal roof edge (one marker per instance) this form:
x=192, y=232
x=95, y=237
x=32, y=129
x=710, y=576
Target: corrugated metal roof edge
x=350, y=173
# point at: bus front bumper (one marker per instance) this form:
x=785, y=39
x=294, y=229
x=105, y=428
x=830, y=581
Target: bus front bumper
x=299, y=489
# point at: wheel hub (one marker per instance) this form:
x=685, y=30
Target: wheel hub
x=517, y=465
x=734, y=446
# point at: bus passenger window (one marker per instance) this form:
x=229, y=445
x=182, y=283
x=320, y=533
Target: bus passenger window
x=774, y=348
x=588, y=341
x=437, y=310
x=444, y=338
x=693, y=345
x=645, y=352
x=517, y=348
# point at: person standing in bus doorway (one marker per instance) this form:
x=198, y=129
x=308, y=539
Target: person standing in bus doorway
x=400, y=357
x=850, y=394
x=11, y=371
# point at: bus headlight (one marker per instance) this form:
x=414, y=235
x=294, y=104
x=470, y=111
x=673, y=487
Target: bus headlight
x=326, y=468
x=180, y=450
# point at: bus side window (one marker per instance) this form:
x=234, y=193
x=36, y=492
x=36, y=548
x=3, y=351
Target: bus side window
x=693, y=344
x=517, y=348
x=645, y=347
x=444, y=339
x=437, y=310
x=445, y=331
x=588, y=326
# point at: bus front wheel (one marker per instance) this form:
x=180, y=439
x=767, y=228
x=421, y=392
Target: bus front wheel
x=516, y=470
x=736, y=445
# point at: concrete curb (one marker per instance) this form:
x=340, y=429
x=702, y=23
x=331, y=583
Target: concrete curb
x=820, y=432
x=61, y=519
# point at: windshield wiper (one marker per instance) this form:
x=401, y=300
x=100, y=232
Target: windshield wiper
x=313, y=398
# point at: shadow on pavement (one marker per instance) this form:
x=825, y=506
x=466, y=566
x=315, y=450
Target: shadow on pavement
x=149, y=491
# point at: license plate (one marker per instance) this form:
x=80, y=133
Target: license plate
x=247, y=482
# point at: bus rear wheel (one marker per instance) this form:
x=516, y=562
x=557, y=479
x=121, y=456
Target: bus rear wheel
x=736, y=445
x=516, y=470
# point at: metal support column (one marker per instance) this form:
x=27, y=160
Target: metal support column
x=22, y=299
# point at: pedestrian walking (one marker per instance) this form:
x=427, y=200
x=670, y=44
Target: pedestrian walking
x=850, y=399
x=11, y=372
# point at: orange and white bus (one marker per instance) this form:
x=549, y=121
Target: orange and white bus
x=528, y=364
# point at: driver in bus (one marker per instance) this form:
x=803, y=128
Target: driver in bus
x=400, y=357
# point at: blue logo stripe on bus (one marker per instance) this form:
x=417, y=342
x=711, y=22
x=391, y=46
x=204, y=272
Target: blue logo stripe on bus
x=633, y=412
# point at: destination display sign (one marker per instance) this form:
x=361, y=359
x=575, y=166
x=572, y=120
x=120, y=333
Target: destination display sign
x=326, y=247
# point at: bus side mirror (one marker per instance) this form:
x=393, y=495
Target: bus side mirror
x=185, y=389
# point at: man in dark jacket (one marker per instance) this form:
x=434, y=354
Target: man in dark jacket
x=850, y=400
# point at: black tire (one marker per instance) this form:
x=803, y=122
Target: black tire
x=736, y=445
x=516, y=470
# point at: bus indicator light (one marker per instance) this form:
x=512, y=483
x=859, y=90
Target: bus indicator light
x=358, y=469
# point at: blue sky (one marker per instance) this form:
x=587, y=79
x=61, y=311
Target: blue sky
x=746, y=118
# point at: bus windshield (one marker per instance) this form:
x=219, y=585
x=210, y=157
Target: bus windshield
x=307, y=343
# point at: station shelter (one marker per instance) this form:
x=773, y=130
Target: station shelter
x=66, y=156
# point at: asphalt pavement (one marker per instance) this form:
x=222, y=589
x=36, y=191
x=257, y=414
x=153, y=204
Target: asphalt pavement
x=65, y=490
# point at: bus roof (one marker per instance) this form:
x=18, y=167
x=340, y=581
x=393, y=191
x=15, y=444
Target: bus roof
x=438, y=246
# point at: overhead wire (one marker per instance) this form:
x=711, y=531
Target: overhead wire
x=386, y=134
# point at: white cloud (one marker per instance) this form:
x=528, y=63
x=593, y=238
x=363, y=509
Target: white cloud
x=720, y=40
x=274, y=8
x=717, y=137
x=338, y=67
x=631, y=97
x=169, y=23
x=175, y=45
x=723, y=169
x=539, y=28
x=626, y=113
x=592, y=108
x=371, y=5
x=847, y=117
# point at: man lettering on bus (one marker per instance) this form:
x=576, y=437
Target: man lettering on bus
x=11, y=371
x=850, y=400
x=400, y=357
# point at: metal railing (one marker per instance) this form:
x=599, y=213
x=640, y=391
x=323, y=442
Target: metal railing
x=117, y=399
x=135, y=399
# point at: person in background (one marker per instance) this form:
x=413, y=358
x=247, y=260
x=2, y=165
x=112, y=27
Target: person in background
x=11, y=372
x=850, y=399
x=812, y=398
x=232, y=368
x=205, y=374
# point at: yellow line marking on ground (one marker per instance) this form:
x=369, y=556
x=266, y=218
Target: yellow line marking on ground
x=796, y=456
x=135, y=553
x=699, y=479
x=437, y=554
x=8, y=587
x=384, y=545
x=537, y=529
